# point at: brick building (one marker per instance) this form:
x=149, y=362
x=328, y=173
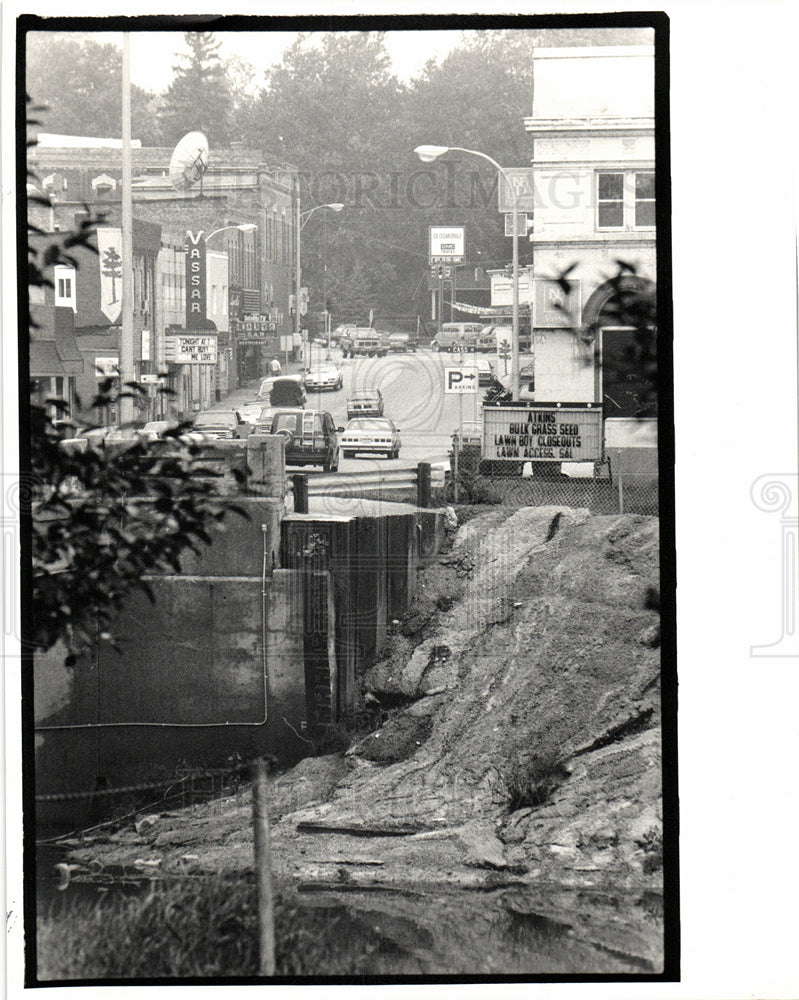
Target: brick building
x=238, y=188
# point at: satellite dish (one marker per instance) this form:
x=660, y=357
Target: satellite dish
x=189, y=161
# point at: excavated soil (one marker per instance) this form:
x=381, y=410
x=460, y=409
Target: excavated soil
x=525, y=763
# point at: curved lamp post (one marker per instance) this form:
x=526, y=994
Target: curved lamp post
x=429, y=153
x=244, y=227
x=300, y=221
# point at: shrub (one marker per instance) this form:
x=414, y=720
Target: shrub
x=529, y=782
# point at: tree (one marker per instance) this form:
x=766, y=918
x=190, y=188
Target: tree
x=199, y=98
x=92, y=103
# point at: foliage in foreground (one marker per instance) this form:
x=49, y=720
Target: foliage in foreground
x=102, y=518
x=193, y=929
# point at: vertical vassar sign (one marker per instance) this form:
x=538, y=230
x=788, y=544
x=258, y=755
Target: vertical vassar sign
x=195, y=281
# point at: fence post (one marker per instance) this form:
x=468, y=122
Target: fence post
x=263, y=870
x=620, y=476
x=423, y=484
x=300, y=493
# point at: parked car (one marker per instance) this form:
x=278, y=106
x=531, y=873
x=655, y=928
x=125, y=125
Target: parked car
x=221, y=424
x=250, y=412
x=371, y=434
x=399, y=343
x=365, y=403
x=472, y=433
x=283, y=390
x=485, y=371
x=128, y=432
x=325, y=375
x=158, y=428
x=311, y=437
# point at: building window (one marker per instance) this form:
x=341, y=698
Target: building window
x=644, y=198
x=64, y=281
x=625, y=199
x=610, y=201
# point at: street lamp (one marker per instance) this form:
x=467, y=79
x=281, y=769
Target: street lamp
x=300, y=221
x=245, y=227
x=429, y=153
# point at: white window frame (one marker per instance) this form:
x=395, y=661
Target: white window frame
x=629, y=201
x=64, y=286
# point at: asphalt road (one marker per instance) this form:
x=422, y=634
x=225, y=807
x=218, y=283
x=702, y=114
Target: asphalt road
x=413, y=392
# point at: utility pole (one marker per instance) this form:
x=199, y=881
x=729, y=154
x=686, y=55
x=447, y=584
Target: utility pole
x=126, y=372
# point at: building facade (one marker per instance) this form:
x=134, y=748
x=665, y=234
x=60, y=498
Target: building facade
x=243, y=205
x=593, y=190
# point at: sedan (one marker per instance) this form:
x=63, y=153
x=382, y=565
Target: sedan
x=365, y=403
x=324, y=376
x=370, y=434
x=485, y=371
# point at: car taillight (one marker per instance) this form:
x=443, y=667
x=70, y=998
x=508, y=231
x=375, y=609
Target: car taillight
x=319, y=441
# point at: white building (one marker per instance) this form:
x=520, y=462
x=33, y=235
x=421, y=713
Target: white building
x=591, y=196
x=593, y=131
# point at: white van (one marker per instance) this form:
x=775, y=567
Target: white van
x=457, y=337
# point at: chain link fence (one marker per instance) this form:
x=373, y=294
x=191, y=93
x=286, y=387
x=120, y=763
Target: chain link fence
x=624, y=483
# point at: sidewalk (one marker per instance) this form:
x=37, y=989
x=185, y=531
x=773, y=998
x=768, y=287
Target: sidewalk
x=247, y=392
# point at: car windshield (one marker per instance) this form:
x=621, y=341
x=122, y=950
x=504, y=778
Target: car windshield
x=286, y=422
x=368, y=425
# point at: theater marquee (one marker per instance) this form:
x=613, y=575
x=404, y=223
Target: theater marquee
x=545, y=432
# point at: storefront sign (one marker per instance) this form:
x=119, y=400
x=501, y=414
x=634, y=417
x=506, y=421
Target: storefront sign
x=191, y=349
x=196, y=318
x=521, y=178
x=553, y=307
x=550, y=432
x=446, y=244
x=252, y=328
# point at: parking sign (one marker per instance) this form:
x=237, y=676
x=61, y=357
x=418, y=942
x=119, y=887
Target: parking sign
x=461, y=380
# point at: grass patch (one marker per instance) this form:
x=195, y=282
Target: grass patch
x=528, y=782
x=194, y=929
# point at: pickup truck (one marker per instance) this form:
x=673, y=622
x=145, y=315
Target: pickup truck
x=364, y=340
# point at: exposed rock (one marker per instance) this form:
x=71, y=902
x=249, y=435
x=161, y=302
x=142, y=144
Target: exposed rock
x=543, y=650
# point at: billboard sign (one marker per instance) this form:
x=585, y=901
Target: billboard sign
x=446, y=244
x=543, y=432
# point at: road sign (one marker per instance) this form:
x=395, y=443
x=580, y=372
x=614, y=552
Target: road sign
x=461, y=380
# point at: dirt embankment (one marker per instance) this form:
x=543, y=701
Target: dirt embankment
x=528, y=748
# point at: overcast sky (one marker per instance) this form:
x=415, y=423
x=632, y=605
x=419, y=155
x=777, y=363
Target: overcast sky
x=153, y=54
